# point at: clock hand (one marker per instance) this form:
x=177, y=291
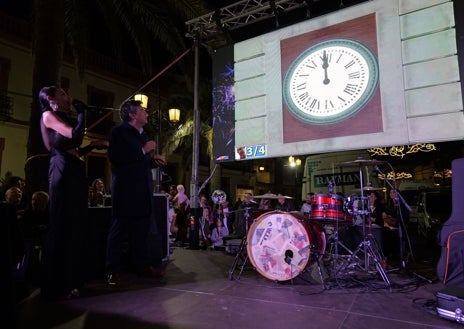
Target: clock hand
x=325, y=66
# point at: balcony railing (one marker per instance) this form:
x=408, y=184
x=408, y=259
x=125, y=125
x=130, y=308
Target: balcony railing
x=6, y=105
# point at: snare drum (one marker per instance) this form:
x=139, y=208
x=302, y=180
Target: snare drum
x=279, y=244
x=327, y=207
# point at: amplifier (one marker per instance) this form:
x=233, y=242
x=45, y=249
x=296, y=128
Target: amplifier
x=450, y=304
x=160, y=213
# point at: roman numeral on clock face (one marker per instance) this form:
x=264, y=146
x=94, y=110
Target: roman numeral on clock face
x=350, y=89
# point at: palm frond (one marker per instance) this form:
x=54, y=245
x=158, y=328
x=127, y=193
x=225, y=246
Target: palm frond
x=183, y=137
x=189, y=8
x=75, y=27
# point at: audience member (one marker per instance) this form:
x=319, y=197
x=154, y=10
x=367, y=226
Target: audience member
x=130, y=153
x=13, y=196
x=172, y=194
x=218, y=233
x=11, y=181
x=172, y=191
x=266, y=205
x=180, y=223
x=237, y=203
x=204, y=204
x=306, y=206
x=284, y=203
x=244, y=215
x=98, y=193
x=204, y=230
x=12, y=246
x=181, y=196
x=33, y=226
x=36, y=218
x=228, y=217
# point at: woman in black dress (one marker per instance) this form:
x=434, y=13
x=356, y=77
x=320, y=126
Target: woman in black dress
x=64, y=253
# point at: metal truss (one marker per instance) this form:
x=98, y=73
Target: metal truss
x=238, y=15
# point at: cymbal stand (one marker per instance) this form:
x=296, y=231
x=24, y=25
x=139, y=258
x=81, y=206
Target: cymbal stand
x=368, y=245
x=336, y=262
x=316, y=256
x=241, y=258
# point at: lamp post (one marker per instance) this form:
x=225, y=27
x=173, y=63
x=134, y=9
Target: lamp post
x=173, y=117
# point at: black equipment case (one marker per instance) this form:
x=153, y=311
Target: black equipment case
x=450, y=266
x=450, y=304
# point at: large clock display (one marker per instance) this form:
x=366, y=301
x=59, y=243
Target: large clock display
x=330, y=81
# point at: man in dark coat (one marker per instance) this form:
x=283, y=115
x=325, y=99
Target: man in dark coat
x=131, y=154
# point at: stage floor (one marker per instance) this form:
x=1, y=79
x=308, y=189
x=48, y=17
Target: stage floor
x=200, y=290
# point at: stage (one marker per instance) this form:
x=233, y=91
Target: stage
x=198, y=292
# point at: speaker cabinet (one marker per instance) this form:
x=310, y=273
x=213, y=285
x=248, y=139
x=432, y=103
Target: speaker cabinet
x=160, y=212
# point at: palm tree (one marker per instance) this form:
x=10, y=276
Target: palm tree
x=58, y=23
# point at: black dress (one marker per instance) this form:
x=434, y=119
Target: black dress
x=64, y=252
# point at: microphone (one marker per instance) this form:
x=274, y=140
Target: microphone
x=79, y=105
x=98, y=109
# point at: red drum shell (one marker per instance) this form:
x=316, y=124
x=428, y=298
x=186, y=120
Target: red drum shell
x=274, y=235
x=327, y=207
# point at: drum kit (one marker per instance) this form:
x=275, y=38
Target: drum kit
x=281, y=245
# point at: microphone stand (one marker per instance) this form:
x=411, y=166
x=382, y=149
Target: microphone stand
x=400, y=201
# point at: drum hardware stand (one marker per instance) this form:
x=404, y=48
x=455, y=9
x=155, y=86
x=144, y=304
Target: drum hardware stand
x=336, y=243
x=241, y=256
x=241, y=253
x=367, y=246
x=338, y=263
x=316, y=256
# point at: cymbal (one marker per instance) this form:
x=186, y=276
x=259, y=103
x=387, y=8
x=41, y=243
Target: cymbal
x=368, y=188
x=266, y=196
x=270, y=196
x=359, y=162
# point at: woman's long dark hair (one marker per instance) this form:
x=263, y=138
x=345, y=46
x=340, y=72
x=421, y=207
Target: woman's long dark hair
x=45, y=92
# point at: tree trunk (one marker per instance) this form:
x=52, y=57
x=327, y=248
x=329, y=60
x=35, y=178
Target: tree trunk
x=48, y=45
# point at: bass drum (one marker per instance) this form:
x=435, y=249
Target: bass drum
x=279, y=244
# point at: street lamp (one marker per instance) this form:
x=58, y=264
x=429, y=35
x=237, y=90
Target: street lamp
x=295, y=163
x=142, y=98
x=174, y=115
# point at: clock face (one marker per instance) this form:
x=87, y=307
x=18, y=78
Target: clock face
x=330, y=81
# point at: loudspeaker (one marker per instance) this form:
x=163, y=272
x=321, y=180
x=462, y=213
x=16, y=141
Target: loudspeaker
x=160, y=212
